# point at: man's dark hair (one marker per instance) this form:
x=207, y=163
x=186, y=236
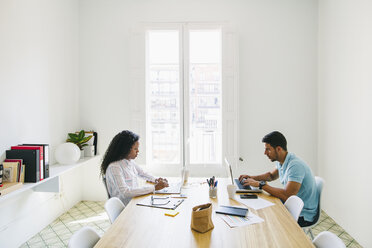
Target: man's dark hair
x=275, y=139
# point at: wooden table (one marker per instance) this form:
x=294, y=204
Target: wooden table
x=139, y=226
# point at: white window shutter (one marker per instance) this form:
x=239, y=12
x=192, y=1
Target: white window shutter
x=138, y=80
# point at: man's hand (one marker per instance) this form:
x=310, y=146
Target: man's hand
x=161, y=183
x=242, y=177
x=251, y=182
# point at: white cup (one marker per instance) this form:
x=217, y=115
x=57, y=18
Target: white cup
x=185, y=175
x=231, y=189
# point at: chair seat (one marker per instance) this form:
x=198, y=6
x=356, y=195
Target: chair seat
x=86, y=237
x=113, y=207
x=327, y=239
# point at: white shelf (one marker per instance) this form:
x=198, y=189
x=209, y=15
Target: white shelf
x=50, y=184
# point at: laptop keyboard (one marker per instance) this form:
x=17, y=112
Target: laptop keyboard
x=240, y=185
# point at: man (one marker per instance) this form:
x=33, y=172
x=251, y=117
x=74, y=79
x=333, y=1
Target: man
x=294, y=174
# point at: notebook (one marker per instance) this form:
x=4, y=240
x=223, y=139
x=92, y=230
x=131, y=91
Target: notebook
x=236, y=211
x=241, y=188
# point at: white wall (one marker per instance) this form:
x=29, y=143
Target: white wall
x=38, y=72
x=345, y=117
x=278, y=67
x=38, y=102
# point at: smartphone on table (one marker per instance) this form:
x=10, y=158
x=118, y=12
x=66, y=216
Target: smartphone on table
x=248, y=196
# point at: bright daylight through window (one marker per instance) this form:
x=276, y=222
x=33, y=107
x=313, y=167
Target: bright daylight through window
x=184, y=96
x=184, y=110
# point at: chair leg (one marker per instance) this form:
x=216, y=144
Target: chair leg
x=308, y=230
x=311, y=234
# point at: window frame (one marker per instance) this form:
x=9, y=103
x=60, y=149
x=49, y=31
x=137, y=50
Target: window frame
x=229, y=97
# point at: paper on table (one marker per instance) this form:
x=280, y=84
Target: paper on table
x=255, y=203
x=236, y=221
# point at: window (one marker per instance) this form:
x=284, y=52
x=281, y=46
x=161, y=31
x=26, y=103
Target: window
x=184, y=111
x=163, y=115
x=185, y=96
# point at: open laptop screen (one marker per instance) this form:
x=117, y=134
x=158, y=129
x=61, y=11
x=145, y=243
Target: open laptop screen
x=230, y=170
x=241, y=187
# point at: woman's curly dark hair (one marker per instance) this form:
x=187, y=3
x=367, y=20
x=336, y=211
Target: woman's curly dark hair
x=119, y=148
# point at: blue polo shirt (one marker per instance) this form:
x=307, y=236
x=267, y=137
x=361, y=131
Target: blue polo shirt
x=296, y=170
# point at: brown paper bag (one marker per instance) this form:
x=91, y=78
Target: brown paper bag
x=201, y=218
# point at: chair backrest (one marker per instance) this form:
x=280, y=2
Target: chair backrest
x=328, y=240
x=113, y=207
x=319, y=186
x=104, y=183
x=294, y=204
x=86, y=237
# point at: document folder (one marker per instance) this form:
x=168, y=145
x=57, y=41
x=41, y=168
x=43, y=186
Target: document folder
x=161, y=202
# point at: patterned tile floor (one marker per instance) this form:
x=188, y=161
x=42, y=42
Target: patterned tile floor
x=93, y=214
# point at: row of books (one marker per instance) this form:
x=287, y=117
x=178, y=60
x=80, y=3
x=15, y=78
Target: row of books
x=26, y=163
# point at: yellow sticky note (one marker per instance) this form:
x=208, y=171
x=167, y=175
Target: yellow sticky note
x=171, y=213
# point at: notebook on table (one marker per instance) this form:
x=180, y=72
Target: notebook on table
x=236, y=211
x=241, y=187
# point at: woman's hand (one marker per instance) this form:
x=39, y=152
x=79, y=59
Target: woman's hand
x=161, y=183
x=161, y=179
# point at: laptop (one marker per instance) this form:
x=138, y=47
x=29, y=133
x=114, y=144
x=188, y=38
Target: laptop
x=241, y=188
x=173, y=188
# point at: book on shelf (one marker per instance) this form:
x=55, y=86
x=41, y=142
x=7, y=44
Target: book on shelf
x=1, y=175
x=20, y=163
x=9, y=187
x=41, y=156
x=46, y=157
x=31, y=161
x=95, y=136
x=10, y=172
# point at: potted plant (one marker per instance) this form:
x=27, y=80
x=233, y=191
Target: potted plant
x=79, y=139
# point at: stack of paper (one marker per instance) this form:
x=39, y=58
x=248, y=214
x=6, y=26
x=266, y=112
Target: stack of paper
x=255, y=203
x=235, y=221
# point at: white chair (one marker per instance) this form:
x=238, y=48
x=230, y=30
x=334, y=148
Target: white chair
x=113, y=207
x=328, y=240
x=86, y=237
x=294, y=204
x=319, y=186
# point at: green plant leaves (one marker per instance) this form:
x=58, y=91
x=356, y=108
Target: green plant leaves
x=79, y=139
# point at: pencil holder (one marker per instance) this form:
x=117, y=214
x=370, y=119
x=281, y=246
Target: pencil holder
x=213, y=192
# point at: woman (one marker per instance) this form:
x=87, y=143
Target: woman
x=122, y=172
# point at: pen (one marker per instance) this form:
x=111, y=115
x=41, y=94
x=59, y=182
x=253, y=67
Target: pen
x=215, y=184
